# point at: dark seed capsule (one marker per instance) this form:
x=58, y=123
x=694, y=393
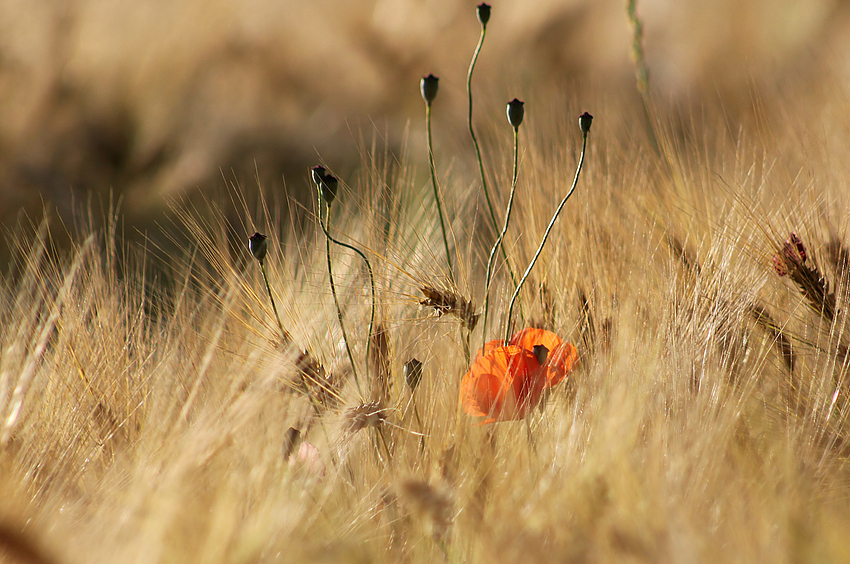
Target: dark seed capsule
x=429, y=86
x=328, y=188
x=541, y=353
x=584, y=121
x=515, y=113
x=483, y=14
x=318, y=174
x=326, y=183
x=413, y=373
x=258, y=246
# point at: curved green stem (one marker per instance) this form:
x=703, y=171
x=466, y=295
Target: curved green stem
x=371, y=279
x=478, y=149
x=285, y=336
x=498, y=242
x=472, y=131
x=545, y=236
x=333, y=291
x=283, y=333
x=436, y=192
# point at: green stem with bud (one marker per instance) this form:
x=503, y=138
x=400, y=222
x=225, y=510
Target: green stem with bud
x=546, y=235
x=498, y=242
x=478, y=150
x=371, y=280
x=328, y=240
x=436, y=191
x=283, y=333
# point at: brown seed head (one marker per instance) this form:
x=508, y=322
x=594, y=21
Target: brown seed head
x=446, y=301
x=369, y=414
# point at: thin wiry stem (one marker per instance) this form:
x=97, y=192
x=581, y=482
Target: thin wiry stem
x=545, y=236
x=371, y=279
x=478, y=149
x=286, y=337
x=498, y=242
x=283, y=333
x=472, y=131
x=333, y=291
x=436, y=192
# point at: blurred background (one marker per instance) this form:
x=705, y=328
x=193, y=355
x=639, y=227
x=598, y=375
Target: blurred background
x=156, y=99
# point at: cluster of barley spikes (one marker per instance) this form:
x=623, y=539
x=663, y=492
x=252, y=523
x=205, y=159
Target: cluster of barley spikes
x=286, y=388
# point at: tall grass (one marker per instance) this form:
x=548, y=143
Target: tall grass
x=149, y=411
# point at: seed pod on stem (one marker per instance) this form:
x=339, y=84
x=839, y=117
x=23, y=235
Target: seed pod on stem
x=483, y=14
x=515, y=113
x=429, y=86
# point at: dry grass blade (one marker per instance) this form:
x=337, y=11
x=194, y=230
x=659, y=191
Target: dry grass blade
x=314, y=381
x=587, y=329
x=379, y=360
x=763, y=318
x=839, y=255
x=678, y=249
x=452, y=303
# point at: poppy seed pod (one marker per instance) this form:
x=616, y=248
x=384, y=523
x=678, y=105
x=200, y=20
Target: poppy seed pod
x=484, y=13
x=328, y=188
x=429, y=86
x=326, y=183
x=515, y=113
x=258, y=246
x=540, y=353
x=584, y=121
x=318, y=174
x=413, y=373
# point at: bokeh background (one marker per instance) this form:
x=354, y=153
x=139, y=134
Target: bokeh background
x=156, y=99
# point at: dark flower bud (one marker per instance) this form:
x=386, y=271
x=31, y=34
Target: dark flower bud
x=584, y=122
x=541, y=353
x=515, y=113
x=326, y=183
x=258, y=246
x=318, y=174
x=328, y=188
x=413, y=373
x=429, y=86
x=484, y=14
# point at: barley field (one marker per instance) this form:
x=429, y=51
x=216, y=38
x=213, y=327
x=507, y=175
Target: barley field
x=236, y=386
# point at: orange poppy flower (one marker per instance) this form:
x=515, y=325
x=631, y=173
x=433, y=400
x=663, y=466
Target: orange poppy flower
x=506, y=381
x=562, y=355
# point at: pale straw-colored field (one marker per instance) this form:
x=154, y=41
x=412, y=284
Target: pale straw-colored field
x=152, y=409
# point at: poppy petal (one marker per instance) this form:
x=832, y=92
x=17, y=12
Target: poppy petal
x=530, y=336
x=502, y=383
x=561, y=362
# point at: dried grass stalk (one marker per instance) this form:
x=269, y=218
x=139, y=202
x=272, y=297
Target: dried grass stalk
x=678, y=249
x=763, y=318
x=379, y=361
x=314, y=381
x=791, y=261
x=370, y=414
x=452, y=303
